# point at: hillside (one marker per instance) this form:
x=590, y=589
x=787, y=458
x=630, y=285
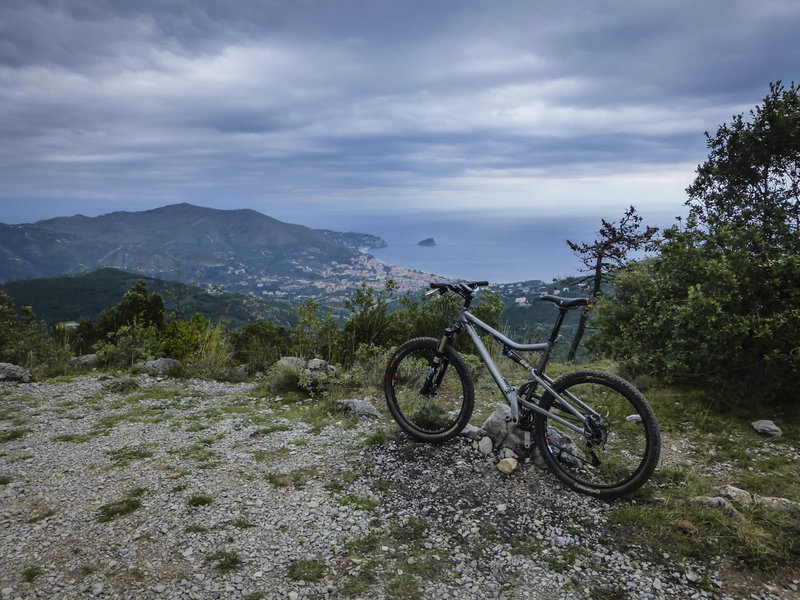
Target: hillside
x=57, y=299
x=237, y=249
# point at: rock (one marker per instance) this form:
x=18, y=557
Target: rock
x=472, y=433
x=781, y=504
x=97, y=589
x=9, y=372
x=85, y=361
x=317, y=365
x=427, y=242
x=508, y=453
x=496, y=425
x=693, y=577
x=505, y=434
x=361, y=407
x=716, y=502
x=485, y=445
x=634, y=419
x=767, y=428
x=291, y=362
x=158, y=367
x=507, y=465
x=735, y=494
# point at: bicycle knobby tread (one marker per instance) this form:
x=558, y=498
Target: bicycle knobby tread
x=455, y=362
x=650, y=422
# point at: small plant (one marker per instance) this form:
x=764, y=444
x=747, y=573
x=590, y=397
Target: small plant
x=306, y=570
x=127, y=505
x=297, y=478
x=404, y=588
x=30, y=574
x=242, y=522
x=13, y=434
x=225, y=561
x=6, y=479
x=358, y=502
x=377, y=437
x=200, y=500
x=122, y=456
x=196, y=529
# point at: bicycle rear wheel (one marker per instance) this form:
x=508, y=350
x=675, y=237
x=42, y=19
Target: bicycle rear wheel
x=431, y=401
x=621, y=443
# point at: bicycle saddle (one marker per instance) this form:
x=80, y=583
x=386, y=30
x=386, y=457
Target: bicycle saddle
x=566, y=302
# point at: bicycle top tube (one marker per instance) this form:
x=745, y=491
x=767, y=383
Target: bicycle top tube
x=473, y=320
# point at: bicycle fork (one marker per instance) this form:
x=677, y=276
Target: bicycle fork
x=437, y=370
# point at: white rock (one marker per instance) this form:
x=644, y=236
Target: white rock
x=767, y=428
x=485, y=445
x=507, y=465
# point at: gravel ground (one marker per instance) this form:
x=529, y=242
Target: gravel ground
x=196, y=489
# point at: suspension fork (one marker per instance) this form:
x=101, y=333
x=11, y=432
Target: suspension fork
x=439, y=366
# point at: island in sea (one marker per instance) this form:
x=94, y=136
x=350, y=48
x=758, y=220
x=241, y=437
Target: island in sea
x=427, y=242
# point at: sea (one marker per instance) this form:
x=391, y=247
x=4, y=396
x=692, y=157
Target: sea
x=499, y=249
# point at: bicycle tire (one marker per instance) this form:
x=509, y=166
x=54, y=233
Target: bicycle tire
x=627, y=453
x=434, y=416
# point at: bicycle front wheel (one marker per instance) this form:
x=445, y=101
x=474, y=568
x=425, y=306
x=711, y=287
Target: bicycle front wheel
x=430, y=398
x=620, y=443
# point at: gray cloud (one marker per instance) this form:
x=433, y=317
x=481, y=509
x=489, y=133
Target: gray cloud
x=110, y=105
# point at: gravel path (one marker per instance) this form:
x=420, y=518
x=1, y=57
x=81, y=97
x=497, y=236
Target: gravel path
x=197, y=489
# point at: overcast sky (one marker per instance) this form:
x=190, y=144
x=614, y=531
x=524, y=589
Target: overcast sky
x=327, y=107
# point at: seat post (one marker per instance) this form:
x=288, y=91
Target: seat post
x=553, y=337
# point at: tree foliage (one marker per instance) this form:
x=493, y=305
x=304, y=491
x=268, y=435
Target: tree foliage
x=607, y=254
x=721, y=302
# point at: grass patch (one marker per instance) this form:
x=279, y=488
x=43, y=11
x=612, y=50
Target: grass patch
x=358, y=502
x=122, y=456
x=242, y=522
x=224, y=561
x=30, y=574
x=13, y=434
x=127, y=505
x=270, y=429
x=307, y=570
x=404, y=588
x=6, y=479
x=41, y=516
x=358, y=584
x=200, y=500
x=378, y=437
x=198, y=452
x=297, y=478
x=341, y=481
x=269, y=455
x=196, y=529
x=73, y=438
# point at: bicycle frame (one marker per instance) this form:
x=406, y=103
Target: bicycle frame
x=470, y=323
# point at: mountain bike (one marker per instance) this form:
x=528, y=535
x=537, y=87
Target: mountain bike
x=595, y=430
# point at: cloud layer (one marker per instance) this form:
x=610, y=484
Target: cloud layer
x=372, y=105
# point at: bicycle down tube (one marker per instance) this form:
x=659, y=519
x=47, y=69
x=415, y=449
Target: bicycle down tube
x=469, y=322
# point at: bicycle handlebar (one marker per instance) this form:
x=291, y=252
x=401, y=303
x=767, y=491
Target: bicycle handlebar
x=459, y=288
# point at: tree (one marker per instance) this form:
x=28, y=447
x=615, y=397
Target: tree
x=606, y=254
x=720, y=304
x=751, y=179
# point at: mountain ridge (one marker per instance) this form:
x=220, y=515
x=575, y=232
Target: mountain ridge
x=237, y=249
